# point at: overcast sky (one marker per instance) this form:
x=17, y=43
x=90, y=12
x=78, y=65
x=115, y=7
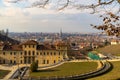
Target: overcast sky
x=18, y=19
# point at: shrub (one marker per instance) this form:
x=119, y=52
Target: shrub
x=34, y=67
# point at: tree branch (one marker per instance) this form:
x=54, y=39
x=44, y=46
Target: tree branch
x=67, y=3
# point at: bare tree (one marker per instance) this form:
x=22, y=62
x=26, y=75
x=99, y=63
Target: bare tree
x=62, y=4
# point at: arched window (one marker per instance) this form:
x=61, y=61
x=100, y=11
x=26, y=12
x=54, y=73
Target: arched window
x=44, y=53
x=51, y=53
x=40, y=53
x=47, y=61
x=10, y=61
x=43, y=61
x=54, y=61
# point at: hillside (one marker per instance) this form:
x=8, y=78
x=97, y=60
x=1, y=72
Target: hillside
x=7, y=39
x=112, y=49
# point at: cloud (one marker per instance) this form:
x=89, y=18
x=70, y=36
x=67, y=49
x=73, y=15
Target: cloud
x=7, y=4
x=39, y=19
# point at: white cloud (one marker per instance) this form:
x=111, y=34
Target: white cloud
x=13, y=12
x=39, y=19
x=7, y=4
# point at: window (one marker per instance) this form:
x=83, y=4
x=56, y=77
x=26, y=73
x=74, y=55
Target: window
x=25, y=52
x=44, y=53
x=29, y=53
x=47, y=61
x=14, y=62
x=29, y=46
x=10, y=61
x=21, y=53
x=40, y=53
x=21, y=61
x=3, y=53
x=25, y=46
x=59, y=53
x=51, y=53
x=47, y=53
x=14, y=53
x=54, y=61
x=33, y=46
x=10, y=53
x=54, y=53
x=37, y=61
x=43, y=61
x=4, y=61
x=33, y=53
x=37, y=53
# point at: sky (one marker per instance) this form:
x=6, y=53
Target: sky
x=17, y=18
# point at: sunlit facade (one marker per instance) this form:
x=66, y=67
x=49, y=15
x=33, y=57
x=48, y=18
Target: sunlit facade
x=32, y=51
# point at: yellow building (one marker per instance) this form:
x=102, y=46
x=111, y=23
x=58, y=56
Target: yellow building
x=31, y=51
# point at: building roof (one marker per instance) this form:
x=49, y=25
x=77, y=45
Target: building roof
x=30, y=42
x=12, y=47
x=60, y=43
x=9, y=47
x=46, y=47
x=1, y=44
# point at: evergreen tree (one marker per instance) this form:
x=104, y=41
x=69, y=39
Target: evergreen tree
x=34, y=67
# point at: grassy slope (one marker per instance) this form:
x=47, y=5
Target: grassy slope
x=3, y=73
x=113, y=49
x=67, y=69
x=112, y=75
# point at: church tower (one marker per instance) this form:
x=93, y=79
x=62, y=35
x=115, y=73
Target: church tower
x=7, y=32
x=60, y=34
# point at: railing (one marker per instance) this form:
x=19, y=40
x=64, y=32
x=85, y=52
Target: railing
x=19, y=73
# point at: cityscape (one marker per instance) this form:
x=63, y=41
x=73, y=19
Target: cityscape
x=59, y=39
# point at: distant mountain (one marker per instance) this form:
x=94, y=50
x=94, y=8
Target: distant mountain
x=4, y=38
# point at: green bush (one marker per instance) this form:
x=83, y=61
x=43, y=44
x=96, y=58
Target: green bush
x=34, y=67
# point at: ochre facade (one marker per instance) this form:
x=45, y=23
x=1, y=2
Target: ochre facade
x=32, y=51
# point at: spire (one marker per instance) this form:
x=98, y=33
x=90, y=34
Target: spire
x=7, y=32
x=61, y=33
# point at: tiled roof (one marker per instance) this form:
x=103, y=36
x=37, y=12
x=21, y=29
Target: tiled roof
x=17, y=47
x=1, y=44
x=60, y=43
x=44, y=47
x=12, y=48
x=30, y=42
x=8, y=47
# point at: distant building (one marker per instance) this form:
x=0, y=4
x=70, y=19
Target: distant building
x=30, y=51
x=4, y=33
x=115, y=42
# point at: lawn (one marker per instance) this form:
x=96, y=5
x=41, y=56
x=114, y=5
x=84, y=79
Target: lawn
x=113, y=49
x=3, y=73
x=114, y=74
x=67, y=69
